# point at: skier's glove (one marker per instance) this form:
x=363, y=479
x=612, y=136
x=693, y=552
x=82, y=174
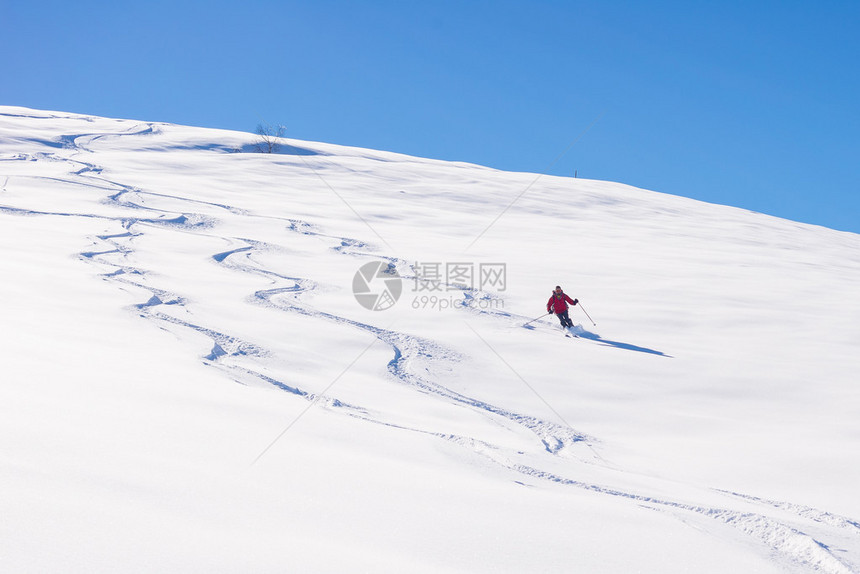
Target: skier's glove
x=575, y=301
x=550, y=311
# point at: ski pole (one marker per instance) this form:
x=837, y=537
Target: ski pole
x=536, y=318
x=587, y=315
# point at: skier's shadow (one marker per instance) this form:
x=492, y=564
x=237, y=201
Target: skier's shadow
x=618, y=344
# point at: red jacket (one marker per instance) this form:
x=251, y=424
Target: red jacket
x=558, y=302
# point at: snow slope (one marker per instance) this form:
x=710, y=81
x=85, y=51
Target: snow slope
x=189, y=384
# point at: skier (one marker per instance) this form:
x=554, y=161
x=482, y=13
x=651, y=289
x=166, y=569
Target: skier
x=558, y=304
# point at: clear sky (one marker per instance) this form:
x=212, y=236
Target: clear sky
x=750, y=103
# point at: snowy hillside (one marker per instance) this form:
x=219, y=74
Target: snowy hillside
x=189, y=382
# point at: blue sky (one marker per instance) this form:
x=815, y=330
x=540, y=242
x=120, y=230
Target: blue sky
x=754, y=104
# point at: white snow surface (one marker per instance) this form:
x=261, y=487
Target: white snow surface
x=188, y=383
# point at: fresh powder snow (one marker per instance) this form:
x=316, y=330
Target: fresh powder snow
x=326, y=360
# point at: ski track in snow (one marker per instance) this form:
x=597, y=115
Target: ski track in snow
x=411, y=354
x=792, y=533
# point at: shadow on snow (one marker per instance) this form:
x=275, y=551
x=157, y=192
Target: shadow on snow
x=618, y=344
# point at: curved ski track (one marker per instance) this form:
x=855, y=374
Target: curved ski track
x=791, y=533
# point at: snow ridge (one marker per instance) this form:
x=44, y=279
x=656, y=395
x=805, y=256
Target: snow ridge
x=799, y=537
